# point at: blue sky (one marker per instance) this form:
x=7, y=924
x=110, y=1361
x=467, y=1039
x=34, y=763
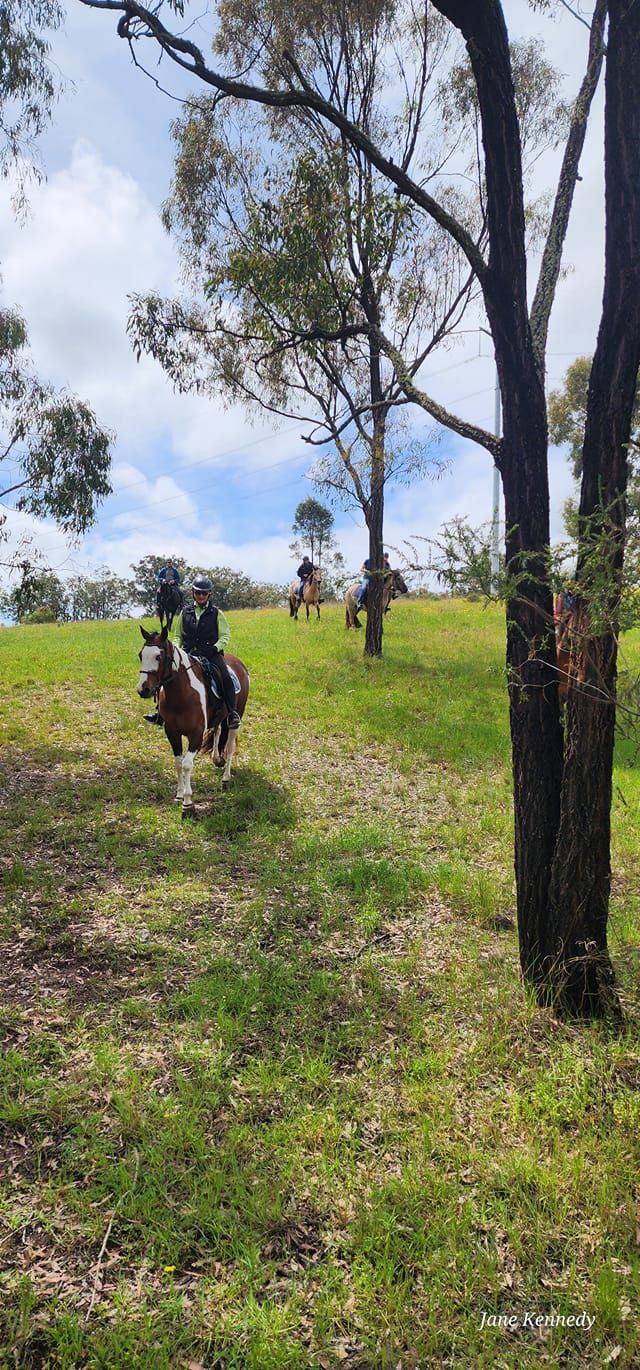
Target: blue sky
x=191, y=477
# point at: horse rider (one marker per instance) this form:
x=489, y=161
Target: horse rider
x=366, y=571
x=304, y=573
x=167, y=575
x=204, y=632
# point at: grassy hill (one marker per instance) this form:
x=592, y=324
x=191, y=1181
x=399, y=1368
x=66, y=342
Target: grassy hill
x=273, y=1095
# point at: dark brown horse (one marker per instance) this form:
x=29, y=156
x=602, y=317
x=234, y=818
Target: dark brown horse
x=187, y=709
x=170, y=600
x=310, y=595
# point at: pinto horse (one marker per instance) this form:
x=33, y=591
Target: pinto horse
x=186, y=708
x=394, y=584
x=310, y=595
x=170, y=600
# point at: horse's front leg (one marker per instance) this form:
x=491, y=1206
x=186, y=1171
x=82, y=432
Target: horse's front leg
x=187, y=771
x=175, y=741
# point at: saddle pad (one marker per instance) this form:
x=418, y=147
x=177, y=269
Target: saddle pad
x=214, y=684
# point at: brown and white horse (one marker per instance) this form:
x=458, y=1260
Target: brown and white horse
x=186, y=709
x=394, y=584
x=310, y=596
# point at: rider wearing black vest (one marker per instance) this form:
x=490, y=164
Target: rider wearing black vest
x=204, y=632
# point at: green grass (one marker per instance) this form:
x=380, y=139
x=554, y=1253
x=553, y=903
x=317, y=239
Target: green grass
x=273, y=1095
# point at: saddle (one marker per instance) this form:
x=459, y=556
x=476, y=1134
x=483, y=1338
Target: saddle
x=210, y=676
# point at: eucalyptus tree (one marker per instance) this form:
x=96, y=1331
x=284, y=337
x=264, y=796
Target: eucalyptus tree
x=567, y=420
x=305, y=253
x=312, y=526
x=562, y=776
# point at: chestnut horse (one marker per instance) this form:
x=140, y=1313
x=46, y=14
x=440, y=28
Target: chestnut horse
x=187, y=710
x=310, y=596
x=394, y=584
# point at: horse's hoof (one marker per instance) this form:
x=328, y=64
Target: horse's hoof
x=188, y=811
x=178, y=799
x=226, y=784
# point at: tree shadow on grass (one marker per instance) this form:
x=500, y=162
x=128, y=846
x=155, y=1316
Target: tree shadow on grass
x=88, y=838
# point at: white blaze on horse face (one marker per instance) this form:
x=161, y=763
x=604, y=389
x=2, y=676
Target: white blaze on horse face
x=149, y=663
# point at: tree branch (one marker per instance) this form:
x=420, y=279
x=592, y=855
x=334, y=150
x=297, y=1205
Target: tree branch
x=552, y=255
x=492, y=443
x=189, y=57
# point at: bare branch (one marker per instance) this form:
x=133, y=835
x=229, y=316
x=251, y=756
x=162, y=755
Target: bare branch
x=186, y=55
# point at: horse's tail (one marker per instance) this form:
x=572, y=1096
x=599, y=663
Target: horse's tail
x=207, y=741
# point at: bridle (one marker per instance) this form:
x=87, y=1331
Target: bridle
x=167, y=658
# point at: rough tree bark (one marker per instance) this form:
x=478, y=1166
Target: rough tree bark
x=536, y=732
x=580, y=885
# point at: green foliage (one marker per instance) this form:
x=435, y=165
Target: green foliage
x=231, y=589
x=542, y=115
x=567, y=415
x=41, y=597
x=311, y=527
x=460, y=557
x=43, y=615
x=29, y=83
x=64, y=457
x=37, y=592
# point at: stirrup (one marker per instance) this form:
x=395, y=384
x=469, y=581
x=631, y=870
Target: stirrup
x=233, y=719
x=154, y=718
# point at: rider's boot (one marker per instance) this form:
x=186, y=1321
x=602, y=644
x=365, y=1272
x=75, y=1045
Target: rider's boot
x=154, y=718
x=233, y=719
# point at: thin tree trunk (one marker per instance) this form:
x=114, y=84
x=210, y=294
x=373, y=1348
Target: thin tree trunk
x=373, y=636
x=375, y=519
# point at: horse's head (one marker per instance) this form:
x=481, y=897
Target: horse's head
x=317, y=577
x=399, y=585
x=153, y=659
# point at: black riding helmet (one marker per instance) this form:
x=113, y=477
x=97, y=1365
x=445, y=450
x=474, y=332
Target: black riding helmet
x=203, y=584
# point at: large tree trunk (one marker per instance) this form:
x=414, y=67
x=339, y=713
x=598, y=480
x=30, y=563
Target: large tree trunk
x=534, y=713
x=580, y=970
